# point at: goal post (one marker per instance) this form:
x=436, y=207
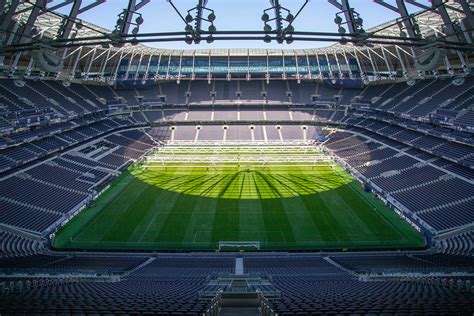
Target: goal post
x=239, y=245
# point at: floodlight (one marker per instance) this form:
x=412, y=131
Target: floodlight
x=197, y=39
x=265, y=17
x=211, y=17
x=267, y=28
x=189, y=18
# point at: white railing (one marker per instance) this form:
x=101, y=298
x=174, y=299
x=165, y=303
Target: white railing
x=156, y=161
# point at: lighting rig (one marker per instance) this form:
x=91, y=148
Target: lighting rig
x=351, y=19
x=125, y=21
x=282, y=32
x=196, y=15
x=428, y=48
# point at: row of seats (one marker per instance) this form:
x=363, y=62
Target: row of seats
x=44, y=101
x=12, y=245
x=41, y=196
x=441, y=200
x=171, y=283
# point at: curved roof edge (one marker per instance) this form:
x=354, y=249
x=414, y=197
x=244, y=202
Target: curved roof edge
x=430, y=23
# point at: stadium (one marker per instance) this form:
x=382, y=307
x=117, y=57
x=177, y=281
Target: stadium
x=322, y=163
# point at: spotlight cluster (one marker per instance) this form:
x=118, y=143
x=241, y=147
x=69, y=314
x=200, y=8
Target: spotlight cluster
x=353, y=21
x=283, y=34
x=193, y=34
x=194, y=22
x=122, y=24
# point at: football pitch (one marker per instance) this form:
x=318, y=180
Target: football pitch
x=192, y=198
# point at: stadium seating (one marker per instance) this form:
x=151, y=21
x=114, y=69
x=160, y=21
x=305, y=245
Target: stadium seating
x=170, y=283
x=34, y=146
x=444, y=209
x=60, y=146
x=461, y=244
x=12, y=245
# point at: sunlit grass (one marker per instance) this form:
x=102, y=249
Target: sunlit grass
x=244, y=182
x=194, y=206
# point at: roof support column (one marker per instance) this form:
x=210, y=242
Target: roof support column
x=168, y=69
x=331, y=74
x=179, y=67
x=283, y=76
x=146, y=74
x=72, y=74
x=193, y=75
x=88, y=69
x=104, y=64
x=387, y=62
x=340, y=74
x=351, y=75
x=136, y=76
x=319, y=67
x=114, y=76
x=297, y=69
x=157, y=74
x=267, y=75
x=309, y=66
x=209, y=75
x=228, y=66
x=129, y=65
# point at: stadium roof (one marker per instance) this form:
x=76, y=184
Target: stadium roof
x=429, y=23
x=394, y=42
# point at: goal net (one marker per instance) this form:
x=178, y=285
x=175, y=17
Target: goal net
x=238, y=245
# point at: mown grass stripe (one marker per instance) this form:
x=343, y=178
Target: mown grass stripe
x=284, y=207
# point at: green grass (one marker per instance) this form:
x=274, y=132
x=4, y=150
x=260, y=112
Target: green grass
x=187, y=207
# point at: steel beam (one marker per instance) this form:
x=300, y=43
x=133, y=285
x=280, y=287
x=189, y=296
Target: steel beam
x=34, y=14
x=438, y=5
x=466, y=7
x=7, y=16
x=133, y=6
x=401, y=9
x=69, y=21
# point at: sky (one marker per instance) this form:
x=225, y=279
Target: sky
x=159, y=16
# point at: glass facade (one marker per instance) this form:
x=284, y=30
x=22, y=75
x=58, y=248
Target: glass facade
x=185, y=66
